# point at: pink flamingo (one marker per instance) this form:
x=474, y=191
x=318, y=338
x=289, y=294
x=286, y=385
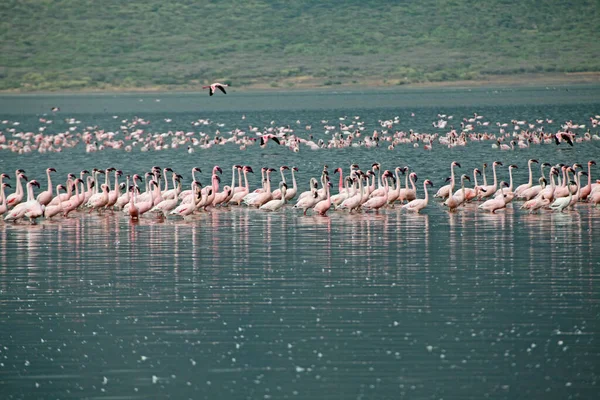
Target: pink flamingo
x=489, y=190
x=240, y=194
x=214, y=86
x=417, y=205
x=187, y=208
x=277, y=192
x=310, y=201
x=587, y=189
x=3, y=206
x=446, y=190
x=495, y=203
x=276, y=204
x=21, y=209
x=75, y=201
x=323, y=206
x=54, y=209
x=529, y=183
x=454, y=201
x=46, y=196
x=375, y=203
x=16, y=197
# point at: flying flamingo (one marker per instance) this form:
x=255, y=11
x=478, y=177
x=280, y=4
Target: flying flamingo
x=417, y=205
x=212, y=87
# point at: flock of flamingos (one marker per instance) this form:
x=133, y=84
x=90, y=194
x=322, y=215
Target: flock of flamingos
x=559, y=188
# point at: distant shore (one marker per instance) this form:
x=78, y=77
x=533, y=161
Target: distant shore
x=310, y=83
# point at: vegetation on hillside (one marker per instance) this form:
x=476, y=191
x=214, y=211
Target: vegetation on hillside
x=175, y=44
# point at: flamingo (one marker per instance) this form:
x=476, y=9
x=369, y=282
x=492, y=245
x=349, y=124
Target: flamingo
x=263, y=197
x=75, y=201
x=186, y=193
x=353, y=202
x=563, y=202
x=21, y=209
x=214, y=86
x=276, y=204
x=489, y=190
x=446, y=190
x=100, y=201
x=277, y=192
x=344, y=194
x=45, y=197
x=16, y=197
x=323, y=206
x=168, y=204
x=585, y=191
x=510, y=185
x=136, y=208
x=187, y=208
x=409, y=194
x=454, y=201
x=529, y=183
x=495, y=203
x=240, y=194
x=375, y=203
x=3, y=205
x=394, y=193
x=54, y=209
x=310, y=201
x=113, y=195
x=291, y=192
x=533, y=191
x=417, y=205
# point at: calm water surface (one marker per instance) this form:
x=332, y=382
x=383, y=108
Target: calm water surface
x=238, y=303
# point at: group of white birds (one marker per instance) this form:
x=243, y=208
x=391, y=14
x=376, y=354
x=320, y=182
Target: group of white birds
x=358, y=190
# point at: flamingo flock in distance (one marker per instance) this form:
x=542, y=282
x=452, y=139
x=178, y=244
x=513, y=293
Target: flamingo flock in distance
x=160, y=192
x=137, y=134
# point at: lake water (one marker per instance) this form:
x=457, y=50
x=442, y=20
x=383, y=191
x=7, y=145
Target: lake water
x=238, y=303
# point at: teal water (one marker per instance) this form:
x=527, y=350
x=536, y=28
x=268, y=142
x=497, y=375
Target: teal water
x=238, y=303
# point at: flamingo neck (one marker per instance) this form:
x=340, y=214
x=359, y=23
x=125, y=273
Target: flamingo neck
x=49, y=182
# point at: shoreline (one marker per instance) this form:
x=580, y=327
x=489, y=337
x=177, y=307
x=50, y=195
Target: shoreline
x=302, y=85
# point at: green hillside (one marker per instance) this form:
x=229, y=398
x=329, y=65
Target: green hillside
x=125, y=44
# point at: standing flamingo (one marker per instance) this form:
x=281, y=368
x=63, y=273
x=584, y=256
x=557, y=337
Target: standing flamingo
x=417, y=205
x=3, y=205
x=45, y=197
x=529, y=183
x=323, y=206
x=16, y=197
x=276, y=204
x=446, y=190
